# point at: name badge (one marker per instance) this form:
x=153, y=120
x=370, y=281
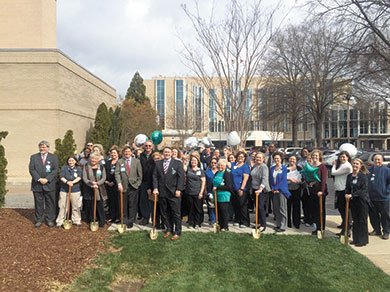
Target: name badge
x=123, y=169
x=173, y=171
x=372, y=178
x=48, y=168
x=75, y=174
x=234, y=167
x=354, y=181
x=99, y=172
x=198, y=172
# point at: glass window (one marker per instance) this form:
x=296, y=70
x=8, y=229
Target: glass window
x=179, y=104
x=343, y=129
x=353, y=129
x=363, y=127
x=343, y=115
x=334, y=115
x=374, y=127
x=334, y=130
x=353, y=114
x=326, y=130
x=160, y=104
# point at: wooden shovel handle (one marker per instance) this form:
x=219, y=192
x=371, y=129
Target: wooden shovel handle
x=216, y=206
x=346, y=217
x=68, y=203
x=94, y=207
x=321, y=211
x=257, y=208
x=121, y=207
x=154, y=211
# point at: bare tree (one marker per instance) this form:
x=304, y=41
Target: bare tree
x=285, y=73
x=228, y=56
x=325, y=63
x=368, y=21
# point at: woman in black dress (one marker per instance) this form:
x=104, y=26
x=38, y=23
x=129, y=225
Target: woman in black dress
x=356, y=191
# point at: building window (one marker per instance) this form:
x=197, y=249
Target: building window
x=343, y=115
x=353, y=129
x=160, y=104
x=212, y=109
x=334, y=130
x=363, y=127
x=374, y=127
x=179, y=104
x=248, y=104
x=197, y=94
x=343, y=129
x=353, y=114
x=334, y=115
x=326, y=130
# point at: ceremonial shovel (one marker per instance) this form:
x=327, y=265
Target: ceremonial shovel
x=121, y=227
x=216, y=226
x=153, y=232
x=68, y=222
x=94, y=225
x=256, y=233
x=344, y=238
x=321, y=233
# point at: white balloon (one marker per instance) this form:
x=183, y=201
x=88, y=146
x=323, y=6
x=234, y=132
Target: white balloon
x=233, y=139
x=206, y=141
x=140, y=140
x=350, y=148
x=191, y=143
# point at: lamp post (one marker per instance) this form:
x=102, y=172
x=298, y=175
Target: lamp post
x=348, y=97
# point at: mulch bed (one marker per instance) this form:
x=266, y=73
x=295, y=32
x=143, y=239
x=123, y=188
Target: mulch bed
x=33, y=258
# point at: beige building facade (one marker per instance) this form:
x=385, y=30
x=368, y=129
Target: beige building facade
x=43, y=93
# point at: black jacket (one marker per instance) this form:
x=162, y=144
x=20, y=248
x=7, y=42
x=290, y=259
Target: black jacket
x=358, y=188
x=167, y=184
x=48, y=171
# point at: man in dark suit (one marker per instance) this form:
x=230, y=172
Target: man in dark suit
x=128, y=175
x=168, y=182
x=43, y=168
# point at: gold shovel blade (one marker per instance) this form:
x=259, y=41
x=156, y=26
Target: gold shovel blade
x=153, y=234
x=256, y=233
x=67, y=224
x=216, y=227
x=320, y=234
x=344, y=239
x=94, y=226
x=121, y=228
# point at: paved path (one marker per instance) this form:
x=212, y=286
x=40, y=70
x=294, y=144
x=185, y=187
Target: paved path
x=378, y=250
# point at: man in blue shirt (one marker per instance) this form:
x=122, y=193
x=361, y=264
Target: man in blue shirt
x=379, y=194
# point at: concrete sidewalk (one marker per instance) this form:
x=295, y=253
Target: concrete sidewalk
x=378, y=250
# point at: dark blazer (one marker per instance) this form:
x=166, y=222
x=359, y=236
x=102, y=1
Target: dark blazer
x=135, y=176
x=147, y=164
x=48, y=171
x=358, y=189
x=171, y=181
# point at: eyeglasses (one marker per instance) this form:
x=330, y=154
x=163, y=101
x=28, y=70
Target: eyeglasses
x=90, y=145
x=148, y=145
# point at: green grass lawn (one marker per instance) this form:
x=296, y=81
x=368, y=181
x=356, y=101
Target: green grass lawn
x=232, y=262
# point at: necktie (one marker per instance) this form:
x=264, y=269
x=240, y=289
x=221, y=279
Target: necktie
x=165, y=166
x=128, y=166
x=43, y=158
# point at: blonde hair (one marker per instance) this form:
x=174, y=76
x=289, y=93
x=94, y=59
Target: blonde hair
x=99, y=146
x=319, y=154
x=222, y=161
x=363, y=169
x=261, y=154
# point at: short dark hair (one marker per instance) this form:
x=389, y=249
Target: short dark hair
x=277, y=154
x=241, y=152
x=124, y=148
x=72, y=156
x=167, y=147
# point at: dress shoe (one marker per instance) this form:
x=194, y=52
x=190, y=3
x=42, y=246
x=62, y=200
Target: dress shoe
x=78, y=224
x=280, y=230
x=130, y=225
x=143, y=222
x=359, y=244
x=385, y=236
x=50, y=224
x=175, y=237
x=314, y=232
x=166, y=235
x=38, y=224
x=375, y=233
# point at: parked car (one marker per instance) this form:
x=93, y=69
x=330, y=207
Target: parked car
x=290, y=151
x=368, y=157
x=329, y=156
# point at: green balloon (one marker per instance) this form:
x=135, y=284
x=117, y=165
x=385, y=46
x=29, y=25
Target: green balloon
x=156, y=137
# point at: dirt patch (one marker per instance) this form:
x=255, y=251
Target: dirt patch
x=32, y=258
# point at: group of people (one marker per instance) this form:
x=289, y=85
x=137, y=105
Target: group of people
x=182, y=183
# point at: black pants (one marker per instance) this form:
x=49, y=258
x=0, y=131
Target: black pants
x=114, y=202
x=159, y=222
x=315, y=200
x=195, y=210
x=294, y=207
x=307, y=206
x=223, y=215
x=184, y=205
x=341, y=204
x=240, y=208
x=379, y=215
x=130, y=205
x=359, y=210
x=170, y=208
x=143, y=202
x=45, y=200
x=100, y=216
